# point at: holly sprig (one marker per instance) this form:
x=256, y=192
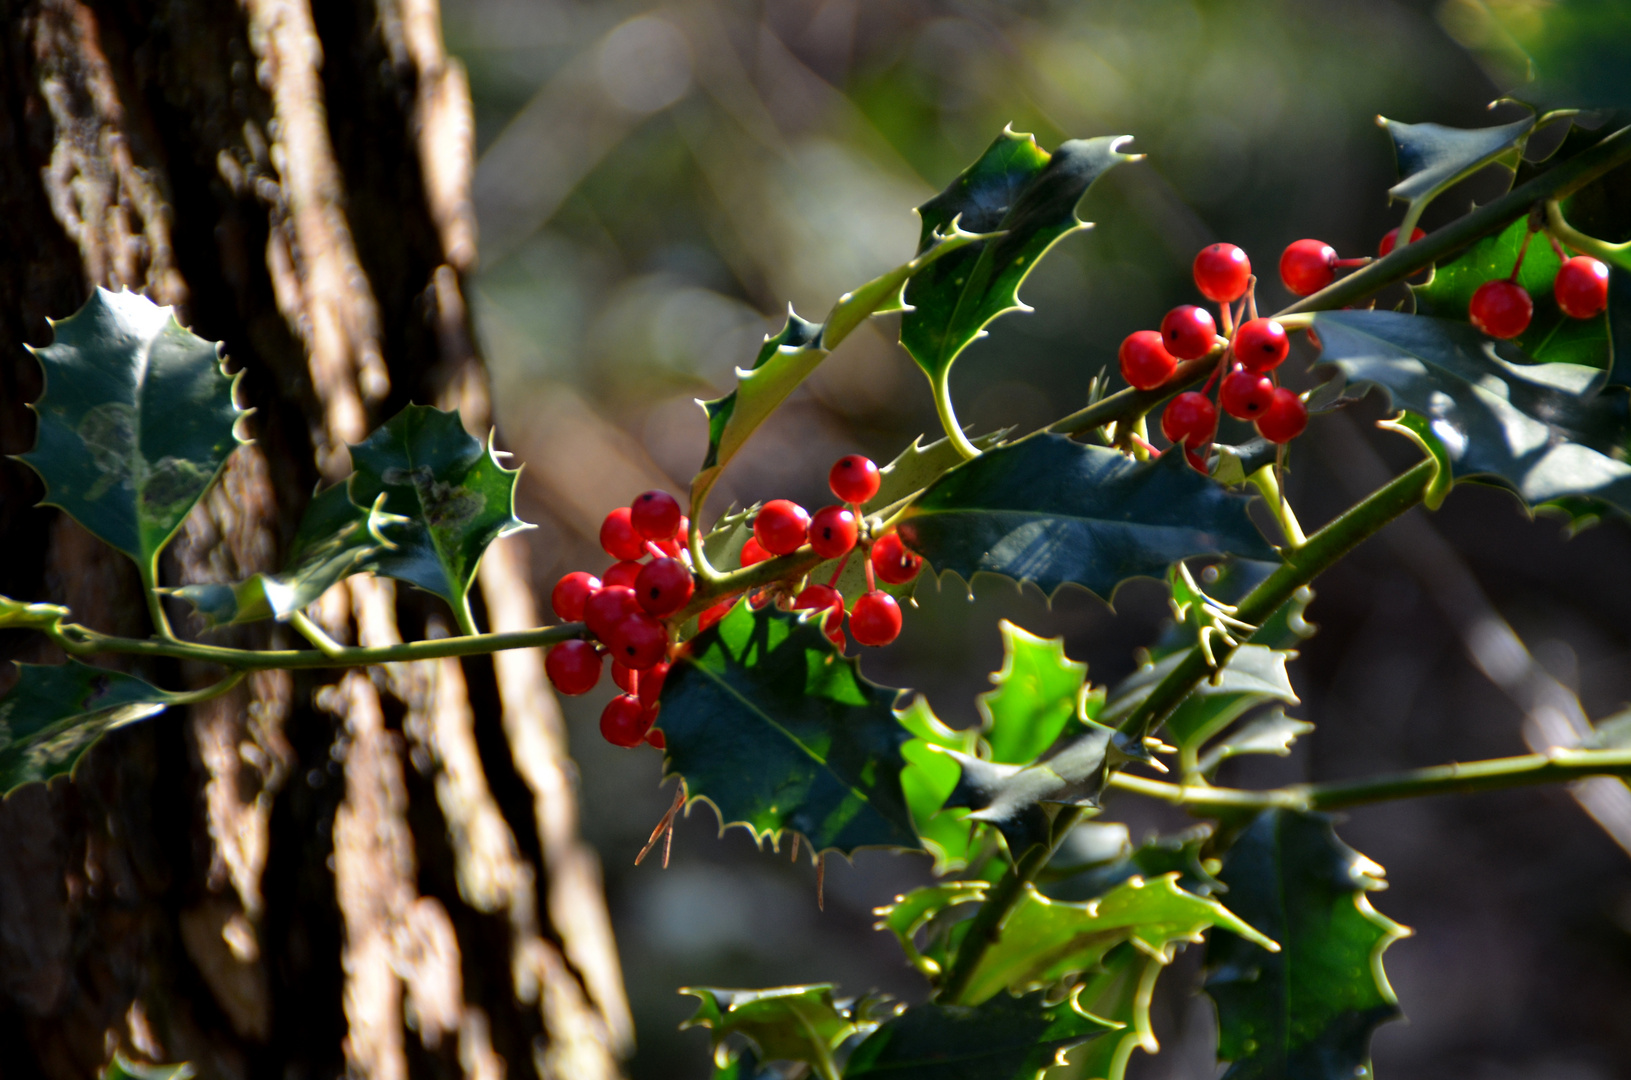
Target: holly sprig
x=730, y=642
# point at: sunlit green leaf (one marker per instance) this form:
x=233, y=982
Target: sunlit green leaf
x=456, y=495
x=1005, y=1038
x=122, y=1068
x=1253, y=675
x=1120, y=990
x=768, y=722
x=1535, y=427
x=1016, y=798
x=137, y=419
x=56, y=712
x=929, y=779
x=1178, y=853
x=1432, y=157
x=910, y=913
x=919, y=465
x=1015, y=189
x=1051, y=511
x=1039, y=692
x=1309, y=1009
x=1271, y=733
x=787, y=1023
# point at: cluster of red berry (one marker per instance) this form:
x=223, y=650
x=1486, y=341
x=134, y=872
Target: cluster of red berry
x=1500, y=308
x=626, y=607
x=1249, y=389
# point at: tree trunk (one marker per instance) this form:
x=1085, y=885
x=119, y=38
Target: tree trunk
x=375, y=872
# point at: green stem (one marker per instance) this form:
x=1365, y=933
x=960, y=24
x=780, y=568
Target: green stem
x=986, y=925
x=1558, y=766
x=1129, y=403
x=1301, y=566
x=315, y=634
x=948, y=415
x=1618, y=254
x=1268, y=485
x=466, y=618
x=155, y=602
x=82, y=641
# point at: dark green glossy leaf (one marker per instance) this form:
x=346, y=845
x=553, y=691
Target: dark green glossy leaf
x=336, y=539
x=1015, y=189
x=456, y=495
x=766, y=721
x=122, y=1068
x=1252, y=676
x=1619, y=325
x=1432, y=157
x=1179, y=853
x=1309, y=1009
x=929, y=779
x=136, y=421
x=56, y=712
x=1051, y=511
x=1535, y=427
x=1552, y=337
x=1039, y=692
x=788, y=1023
x=1015, y=798
x=1006, y=1038
x=1120, y=990
x=1271, y=733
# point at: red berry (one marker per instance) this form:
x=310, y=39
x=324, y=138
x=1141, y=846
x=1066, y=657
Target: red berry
x=1261, y=345
x=664, y=586
x=1222, y=272
x=1197, y=461
x=892, y=562
x=607, y=608
x=1501, y=308
x=1581, y=287
x=711, y=616
x=1190, y=419
x=675, y=544
x=625, y=722
x=651, y=684
x=1391, y=237
x=1285, y=417
x=1308, y=266
x=1188, y=332
x=638, y=641
x=1145, y=362
x=819, y=597
x=876, y=619
x=833, y=531
x=1245, y=395
x=573, y=666
x=570, y=592
x=618, y=537
x=655, y=738
x=854, y=478
x=625, y=678
x=752, y=552
x=781, y=526
x=621, y=573
x=655, y=515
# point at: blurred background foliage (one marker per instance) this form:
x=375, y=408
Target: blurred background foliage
x=658, y=182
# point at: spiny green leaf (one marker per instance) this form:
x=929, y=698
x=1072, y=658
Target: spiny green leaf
x=787, y=358
x=1039, y=692
x=56, y=712
x=456, y=495
x=910, y=913
x=336, y=539
x=1006, y=1038
x=1015, y=189
x=1552, y=337
x=1119, y=991
x=1051, y=511
x=929, y=779
x=1178, y=853
x=122, y=1068
x=1309, y=1009
x=918, y=466
x=1432, y=157
x=787, y=1023
x=137, y=419
x=1015, y=798
x=766, y=721
x=1271, y=733
x=1253, y=675
x=1535, y=427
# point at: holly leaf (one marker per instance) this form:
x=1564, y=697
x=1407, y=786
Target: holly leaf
x=1618, y=316
x=122, y=1068
x=1178, y=853
x=56, y=712
x=1309, y=1009
x=788, y=357
x=1253, y=675
x=929, y=779
x=910, y=913
x=336, y=539
x=777, y=730
x=918, y=466
x=137, y=419
x=1535, y=427
x=1120, y=990
x=1039, y=692
x=456, y=496
x=787, y=1023
x=1025, y=195
x=1006, y=1038
x=1552, y=337
x=1433, y=157
x=1015, y=798
x=1051, y=511
x=1271, y=733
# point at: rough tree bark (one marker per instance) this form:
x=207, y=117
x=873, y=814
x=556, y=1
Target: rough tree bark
x=375, y=873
